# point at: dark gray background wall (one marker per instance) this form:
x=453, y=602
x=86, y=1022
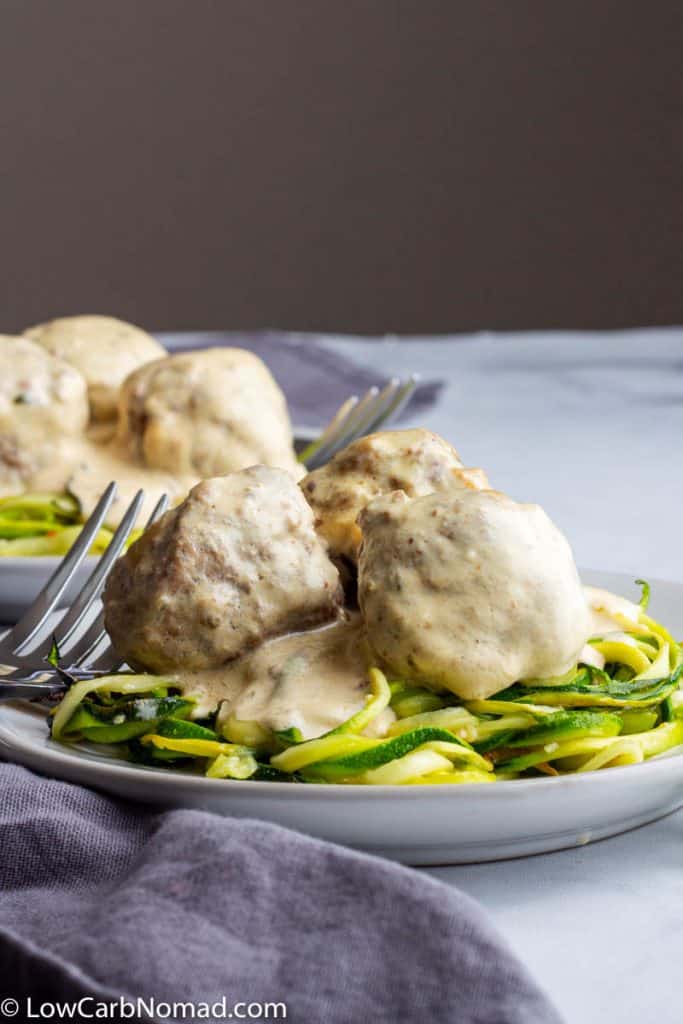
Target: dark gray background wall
x=366, y=166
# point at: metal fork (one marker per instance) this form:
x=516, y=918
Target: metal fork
x=358, y=417
x=79, y=634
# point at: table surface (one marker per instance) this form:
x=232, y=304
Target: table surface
x=588, y=425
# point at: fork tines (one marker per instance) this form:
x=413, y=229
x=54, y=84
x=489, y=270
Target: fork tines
x=80, y=632
x=356, y=418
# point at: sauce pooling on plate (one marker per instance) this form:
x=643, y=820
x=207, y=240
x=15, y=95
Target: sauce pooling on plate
x=311, y=681
x=85, y=467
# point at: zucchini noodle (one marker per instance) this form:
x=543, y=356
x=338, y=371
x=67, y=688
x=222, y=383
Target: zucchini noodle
x=589, y=719
x=45, y=524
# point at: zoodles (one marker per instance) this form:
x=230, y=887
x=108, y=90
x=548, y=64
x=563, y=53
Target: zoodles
x=591, y=718
x=45, y=524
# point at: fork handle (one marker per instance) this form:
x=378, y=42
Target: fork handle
x=29, y=691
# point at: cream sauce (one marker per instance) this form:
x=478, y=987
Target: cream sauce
x=85, y=467
x=610, y=613
x=312, y=681
x=317, y=679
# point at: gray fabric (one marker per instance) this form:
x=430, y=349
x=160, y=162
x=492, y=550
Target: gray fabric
x=103, y=899
x=315, y=379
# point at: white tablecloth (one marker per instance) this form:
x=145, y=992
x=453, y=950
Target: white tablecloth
x=590, y=426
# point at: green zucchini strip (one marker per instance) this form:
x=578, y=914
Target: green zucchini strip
x=491, y=729
x=405, y=769
x=247, y=734
x=121, y=683
x=303, y=754
x=45, y=524
x=407, y=700
x=621, y=752
x=552, y=752
x=502, y=705
x=624, y=649
x=120, y=722
x=634, y=720
x=348, y=765
x=57, y=542
x=179, y=729
x=568, y=725
x=594, y=687
x=375, y=703
x=637, y=747
x=191, y=747
x=454, y=777
x=237, y=765
x=457, y=720
x=645, y=593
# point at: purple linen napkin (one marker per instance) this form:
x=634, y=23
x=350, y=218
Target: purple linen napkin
x=315, y=380
x=101, y=900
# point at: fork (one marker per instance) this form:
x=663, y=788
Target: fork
x=358, y=417
x=80, y=635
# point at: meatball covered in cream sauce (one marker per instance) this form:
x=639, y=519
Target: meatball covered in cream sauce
x=205, y=413
x=469, y=591
x=237, y=562
x=415, y=461
x=43, y=408
x=104, y=350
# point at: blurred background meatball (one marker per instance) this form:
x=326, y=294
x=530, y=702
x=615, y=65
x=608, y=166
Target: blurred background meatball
x=105, y=350
x=43, y=404
x=205, y=413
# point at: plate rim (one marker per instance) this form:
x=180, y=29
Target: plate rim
x=57, y=753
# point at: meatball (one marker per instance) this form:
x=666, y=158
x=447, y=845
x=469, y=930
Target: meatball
x=236, y=562
x=206, y=413
x=469, y=591
x=415, y=461
x=105, y=350
x=43, y=405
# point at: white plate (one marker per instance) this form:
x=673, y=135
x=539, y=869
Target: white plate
x=418, y=825
x=22, y=579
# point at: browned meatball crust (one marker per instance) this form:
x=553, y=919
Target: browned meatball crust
x=236, y=562
x=414, y=461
